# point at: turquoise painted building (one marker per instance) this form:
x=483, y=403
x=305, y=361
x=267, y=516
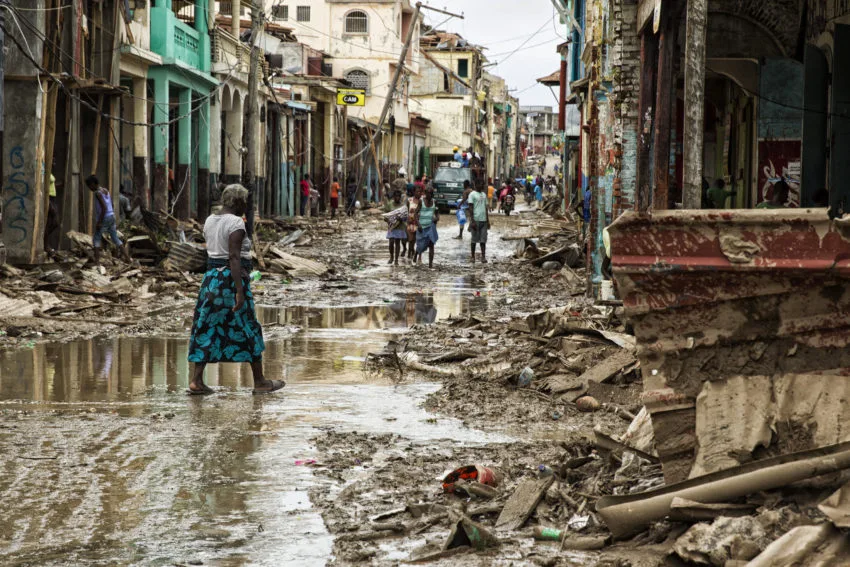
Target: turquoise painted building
x=182, y=91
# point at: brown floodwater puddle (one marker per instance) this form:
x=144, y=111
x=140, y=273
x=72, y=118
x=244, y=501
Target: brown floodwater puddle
x=108, y=462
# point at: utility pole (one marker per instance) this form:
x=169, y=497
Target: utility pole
x=390, y=95
x=252, y=115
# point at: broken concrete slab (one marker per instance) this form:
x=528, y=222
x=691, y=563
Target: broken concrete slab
x=609, y=367
x=806, y=546
x=522, y=502
x=837, y=507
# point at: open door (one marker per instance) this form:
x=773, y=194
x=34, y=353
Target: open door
x=815, y=123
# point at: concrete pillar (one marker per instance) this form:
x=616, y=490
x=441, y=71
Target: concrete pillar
x=160, y=142
x=141, y=186
x=694, y=103
x=183, y=171
x=205, y=143
x=233, y=142
x=236, y=8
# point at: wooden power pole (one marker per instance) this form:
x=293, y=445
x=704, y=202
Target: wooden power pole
x=252, y=115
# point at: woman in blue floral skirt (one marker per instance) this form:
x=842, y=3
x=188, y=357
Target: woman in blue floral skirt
x=225, y=326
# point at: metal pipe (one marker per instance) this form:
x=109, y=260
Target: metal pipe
x=627, y=515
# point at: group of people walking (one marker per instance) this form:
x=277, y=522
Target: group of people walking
x=412, y=223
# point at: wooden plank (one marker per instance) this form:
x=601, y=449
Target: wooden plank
x=664, y=101
x=299, y=266
x=523, y=502
x=609, y=367
x=646, y=98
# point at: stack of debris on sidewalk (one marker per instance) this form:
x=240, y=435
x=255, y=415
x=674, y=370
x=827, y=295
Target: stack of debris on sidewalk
x=70, y=296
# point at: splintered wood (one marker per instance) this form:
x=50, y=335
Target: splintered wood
x=523, y=502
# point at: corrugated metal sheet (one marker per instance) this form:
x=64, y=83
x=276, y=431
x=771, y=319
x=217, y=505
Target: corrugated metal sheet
x=187, y=257
x=716, y=296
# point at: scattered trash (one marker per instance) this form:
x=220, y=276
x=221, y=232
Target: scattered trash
x=588, y=404
x=522, y=502
x=578, y=523
x=543, y=471
x=302, y=462
x=478, y=473
x=465, y=532
x=526, y=377
x=548, y=534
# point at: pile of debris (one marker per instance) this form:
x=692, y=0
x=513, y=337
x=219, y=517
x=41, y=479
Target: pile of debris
x=59, y=298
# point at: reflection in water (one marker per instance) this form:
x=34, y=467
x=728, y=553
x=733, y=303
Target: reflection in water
x=134, y=472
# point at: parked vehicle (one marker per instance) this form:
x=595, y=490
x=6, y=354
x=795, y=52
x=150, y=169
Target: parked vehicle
x=448, y=185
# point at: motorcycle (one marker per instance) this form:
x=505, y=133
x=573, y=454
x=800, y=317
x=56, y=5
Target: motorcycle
x=508, y=204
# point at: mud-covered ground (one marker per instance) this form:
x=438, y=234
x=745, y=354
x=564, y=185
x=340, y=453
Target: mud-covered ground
x=110, y=463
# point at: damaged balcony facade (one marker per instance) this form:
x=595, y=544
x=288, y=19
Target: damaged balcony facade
x=182, y=90
x=740, y=315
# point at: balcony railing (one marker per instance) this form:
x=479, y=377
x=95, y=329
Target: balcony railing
x=175, y=40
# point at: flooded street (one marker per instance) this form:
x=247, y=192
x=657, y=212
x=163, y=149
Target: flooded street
x=109, y=462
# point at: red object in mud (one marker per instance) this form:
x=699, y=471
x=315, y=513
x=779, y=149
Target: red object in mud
x=476, y=473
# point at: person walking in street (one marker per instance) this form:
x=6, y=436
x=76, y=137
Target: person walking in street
x=400, y=183
x=350, y=195
x=396, y=216
x=225, y=326
x=427, y=217
x=463, y=208
x=491, y=191
x=305, y=193
x=334, y=197
x=538, y=194
x=104, y=215
x=480, y=222
x=413, y=204
x=52, y=214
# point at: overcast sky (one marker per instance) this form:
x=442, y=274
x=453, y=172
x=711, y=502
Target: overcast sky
x=503, y=26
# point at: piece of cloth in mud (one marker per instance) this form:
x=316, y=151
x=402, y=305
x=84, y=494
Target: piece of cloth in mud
x=425, y=237
x=219, y=334
x=479, y=232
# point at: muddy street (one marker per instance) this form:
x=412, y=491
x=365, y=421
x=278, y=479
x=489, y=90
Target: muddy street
x=109, y=462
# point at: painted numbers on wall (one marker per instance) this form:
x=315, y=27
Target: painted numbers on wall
x=18, y=189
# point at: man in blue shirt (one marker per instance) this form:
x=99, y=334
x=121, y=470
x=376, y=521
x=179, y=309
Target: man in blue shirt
x=457, y=157
x=538, y=194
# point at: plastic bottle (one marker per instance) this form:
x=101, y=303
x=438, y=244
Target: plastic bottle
x=256, y=276
x=525, y=377
x=544, y=471
x=548, y=534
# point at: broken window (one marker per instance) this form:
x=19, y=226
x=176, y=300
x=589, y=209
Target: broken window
x=302, y=13
x=463, y=68
x=358, y=80
x=357, y=22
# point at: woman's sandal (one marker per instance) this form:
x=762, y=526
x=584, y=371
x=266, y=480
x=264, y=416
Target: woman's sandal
x=276, y=385
x=205, y=391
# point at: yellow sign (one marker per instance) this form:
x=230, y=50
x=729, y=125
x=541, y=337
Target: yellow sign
x=351, y=97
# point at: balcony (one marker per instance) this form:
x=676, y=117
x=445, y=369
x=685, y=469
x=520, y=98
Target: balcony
x=176, y=41
x=228, y=53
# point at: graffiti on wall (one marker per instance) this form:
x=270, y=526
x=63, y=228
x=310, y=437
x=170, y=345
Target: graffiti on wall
x=779, y=160
x=18, y=191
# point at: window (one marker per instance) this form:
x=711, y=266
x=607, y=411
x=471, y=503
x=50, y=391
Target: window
x=280, y=12
x=357, y=22
x=302, y=13
x=225, y=8
x=463, y=68
x=358, y=80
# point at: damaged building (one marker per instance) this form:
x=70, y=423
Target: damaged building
x=736, y=294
